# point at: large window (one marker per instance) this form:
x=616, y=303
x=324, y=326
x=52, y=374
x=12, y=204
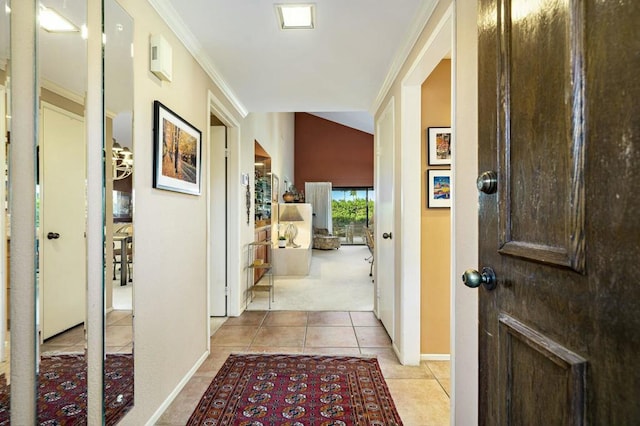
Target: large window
x=352, y=211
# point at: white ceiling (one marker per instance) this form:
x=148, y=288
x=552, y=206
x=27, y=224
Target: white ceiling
x=339, y=67
x=336, y=71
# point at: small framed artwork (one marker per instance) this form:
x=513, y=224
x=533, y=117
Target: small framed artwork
x=177, y=152
x=438, y=188
x=275, y=188
x=439, y=146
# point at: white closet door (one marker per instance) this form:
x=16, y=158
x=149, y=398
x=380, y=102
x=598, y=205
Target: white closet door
x=385, y=220
x=62, y=220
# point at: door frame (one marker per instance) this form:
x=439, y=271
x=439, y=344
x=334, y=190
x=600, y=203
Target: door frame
x=232, y=246
x=438, y=45
x=216, y=220
x=456, y=30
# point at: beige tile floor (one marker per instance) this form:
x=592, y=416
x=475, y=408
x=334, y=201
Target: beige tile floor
x=119, y=336
x=421, y=393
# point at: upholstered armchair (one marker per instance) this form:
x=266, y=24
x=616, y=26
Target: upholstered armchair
x=323, y=240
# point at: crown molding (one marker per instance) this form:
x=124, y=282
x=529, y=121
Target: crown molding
x=62, y=91
x=170, y=16
x=418, y=25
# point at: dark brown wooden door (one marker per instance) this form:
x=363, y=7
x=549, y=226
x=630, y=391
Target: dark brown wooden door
x=559, y=121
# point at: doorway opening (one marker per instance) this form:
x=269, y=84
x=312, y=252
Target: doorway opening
x=218, y=194
x=435, y=221
x=352, y=213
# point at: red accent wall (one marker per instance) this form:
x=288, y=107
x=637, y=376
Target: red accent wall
x=330, y=152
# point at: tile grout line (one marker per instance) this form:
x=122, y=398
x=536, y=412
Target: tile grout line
x=437, y=379
x=253, y=339
x=304, y=339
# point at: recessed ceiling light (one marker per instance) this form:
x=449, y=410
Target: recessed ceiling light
x=52, y=21
x=296, y=16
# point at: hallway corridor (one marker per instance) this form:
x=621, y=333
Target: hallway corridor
x=421, y=393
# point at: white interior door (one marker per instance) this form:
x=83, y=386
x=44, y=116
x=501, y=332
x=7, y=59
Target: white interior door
x=217, y=220
x=385, y=218
x=62, y=220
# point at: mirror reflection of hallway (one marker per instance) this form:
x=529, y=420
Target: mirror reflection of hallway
x=119, y=207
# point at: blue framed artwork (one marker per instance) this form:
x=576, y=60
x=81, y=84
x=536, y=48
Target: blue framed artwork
x=438, y=188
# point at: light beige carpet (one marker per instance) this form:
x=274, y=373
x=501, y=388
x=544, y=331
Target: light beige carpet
x=338, y=281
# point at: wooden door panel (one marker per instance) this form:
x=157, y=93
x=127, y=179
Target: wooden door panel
x=541, y=131
x=525, y=351
x=559, y=122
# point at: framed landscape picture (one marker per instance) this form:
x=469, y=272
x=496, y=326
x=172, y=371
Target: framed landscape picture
x=438, y=188
x=177, y=152
x=439, y=146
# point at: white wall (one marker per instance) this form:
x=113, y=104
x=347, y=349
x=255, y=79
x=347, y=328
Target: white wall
x=170, y=241
x=275, y=132
x=170, y=325
x=464, y=211
x=170, y=244
x=406, y=89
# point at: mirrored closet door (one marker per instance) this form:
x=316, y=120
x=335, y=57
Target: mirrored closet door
x=119, y=235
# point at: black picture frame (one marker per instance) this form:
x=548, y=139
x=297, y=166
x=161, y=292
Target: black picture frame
x=438, y=188
x=177, y=152
x=439, y=146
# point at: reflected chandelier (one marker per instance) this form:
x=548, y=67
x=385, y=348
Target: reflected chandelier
x=122, y=161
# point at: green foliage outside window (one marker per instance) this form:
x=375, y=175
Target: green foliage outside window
x=345, y=212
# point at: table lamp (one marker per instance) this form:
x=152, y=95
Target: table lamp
x=290, y=214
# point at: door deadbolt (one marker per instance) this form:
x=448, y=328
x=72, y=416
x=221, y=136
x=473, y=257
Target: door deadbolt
x=53, y=236
x=487, y=182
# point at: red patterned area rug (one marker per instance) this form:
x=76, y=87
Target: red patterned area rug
x=297, y=390
x=62, y=390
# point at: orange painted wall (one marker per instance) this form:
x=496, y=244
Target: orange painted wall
x=435, y=225
x=330, y=152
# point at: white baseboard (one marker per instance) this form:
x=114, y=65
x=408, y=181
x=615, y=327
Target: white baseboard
x=152, y=421
x=435, y=357
x=396, y=351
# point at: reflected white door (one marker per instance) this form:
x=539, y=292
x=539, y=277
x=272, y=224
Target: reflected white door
x=62, y=220
x=385, y=218
x=217, y=220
